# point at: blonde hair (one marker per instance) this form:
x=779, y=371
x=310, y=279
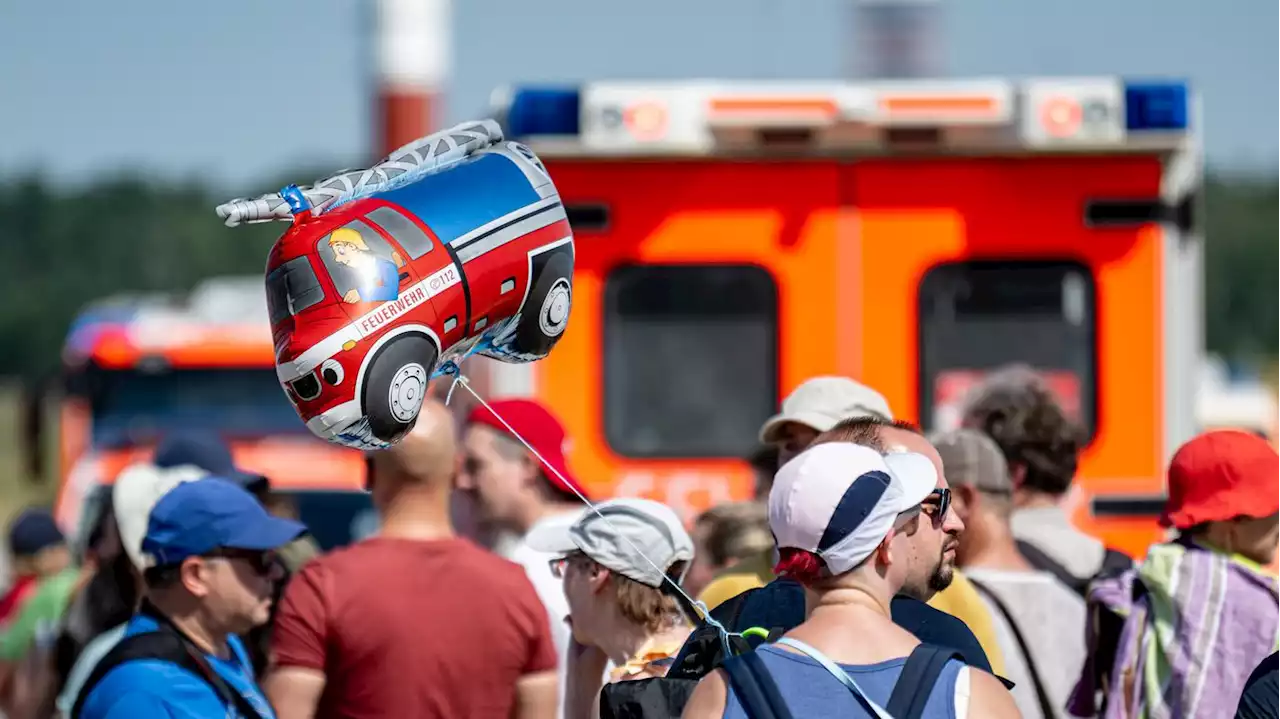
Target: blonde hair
x=347, y=236
x=647, y=606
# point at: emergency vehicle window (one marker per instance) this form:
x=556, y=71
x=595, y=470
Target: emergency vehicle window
x=976, y=317
x=362, y=265
x=402, y=230
x=291, y=288
x=690, y=359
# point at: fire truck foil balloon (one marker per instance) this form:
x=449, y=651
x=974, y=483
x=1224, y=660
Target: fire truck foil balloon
x=455, y=244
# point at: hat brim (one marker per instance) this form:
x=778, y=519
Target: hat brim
x=917, y=475
x=265, y=533
x=553, y=538
x=773, y=426
x=558, y=475
x=1230, y=505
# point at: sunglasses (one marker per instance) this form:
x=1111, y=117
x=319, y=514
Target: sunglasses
x=937, y=504
x=258, y=561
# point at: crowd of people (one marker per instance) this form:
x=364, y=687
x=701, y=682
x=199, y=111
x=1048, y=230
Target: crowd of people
x=879, y=572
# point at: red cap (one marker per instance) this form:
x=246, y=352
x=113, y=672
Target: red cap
x=1221, y=475
x=537, y=426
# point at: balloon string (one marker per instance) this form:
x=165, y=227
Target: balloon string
x=460, y=380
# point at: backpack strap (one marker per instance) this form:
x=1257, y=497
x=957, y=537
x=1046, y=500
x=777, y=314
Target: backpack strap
x=1038, y=559
x=1042, y=696
x=166, y=644
x=150, y=645
x=918, y=677
x=756, y=690
x=1114, y=562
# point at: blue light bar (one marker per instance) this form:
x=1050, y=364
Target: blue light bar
x=1155, y=105
x=544, y=111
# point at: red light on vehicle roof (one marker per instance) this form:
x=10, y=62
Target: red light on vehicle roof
x=646, y=121
x=1061, y=116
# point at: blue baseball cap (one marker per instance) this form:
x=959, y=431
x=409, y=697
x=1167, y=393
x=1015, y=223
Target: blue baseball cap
x=206, y=451
x=198, y=517
x=32, y=531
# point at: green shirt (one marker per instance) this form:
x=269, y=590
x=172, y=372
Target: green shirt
x=38, y=617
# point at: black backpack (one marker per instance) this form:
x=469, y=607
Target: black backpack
x=168, y=644
x=776, y=609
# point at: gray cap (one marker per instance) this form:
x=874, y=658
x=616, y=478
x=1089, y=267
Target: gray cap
x=972, y=458
x=822, y=402
x=612, y=537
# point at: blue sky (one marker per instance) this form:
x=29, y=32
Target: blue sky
x=236, y=91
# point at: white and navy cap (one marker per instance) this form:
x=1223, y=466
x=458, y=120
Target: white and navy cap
x=839, y=500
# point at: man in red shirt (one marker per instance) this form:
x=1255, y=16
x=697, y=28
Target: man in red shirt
x=415, y=622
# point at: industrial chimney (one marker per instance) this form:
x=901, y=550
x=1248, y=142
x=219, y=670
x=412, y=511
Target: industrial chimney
x=895, y=39
x=413, y=52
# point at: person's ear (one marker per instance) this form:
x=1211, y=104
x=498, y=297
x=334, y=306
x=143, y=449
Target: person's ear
x=1018, y=474
x=884, y=551
x=598, y=578
x=194, y=575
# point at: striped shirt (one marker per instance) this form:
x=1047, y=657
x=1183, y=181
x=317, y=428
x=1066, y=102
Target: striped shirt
x=1199, y=623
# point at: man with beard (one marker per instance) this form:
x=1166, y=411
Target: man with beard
x=942, y=586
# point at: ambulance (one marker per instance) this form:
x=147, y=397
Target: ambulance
x=737, y=238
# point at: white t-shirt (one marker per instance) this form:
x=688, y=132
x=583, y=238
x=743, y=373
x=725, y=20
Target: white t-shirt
x=537, y=566
x=1051, y=618
x=1050, y=530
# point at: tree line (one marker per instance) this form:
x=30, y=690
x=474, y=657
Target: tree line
x=62, y=247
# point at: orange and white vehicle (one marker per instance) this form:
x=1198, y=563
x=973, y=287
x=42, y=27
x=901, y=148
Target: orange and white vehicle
x=734, y=239
x=136, y=367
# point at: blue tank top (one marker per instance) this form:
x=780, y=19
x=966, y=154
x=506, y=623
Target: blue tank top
x=810, y=691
